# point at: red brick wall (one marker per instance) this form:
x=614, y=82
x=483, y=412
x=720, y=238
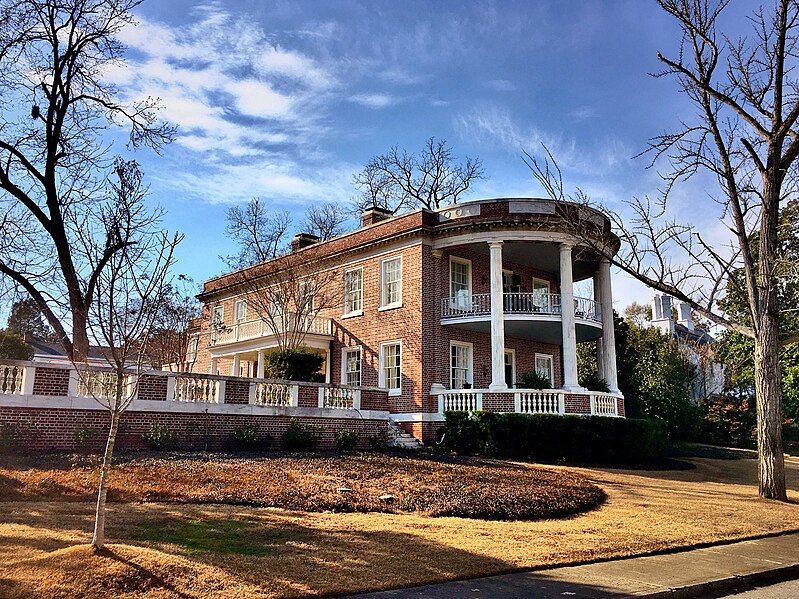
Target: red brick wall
x=498, y=402
x=152, y=387
x=620, y=406
x=308, y=397
x=51, y=381
x=237, y=391
x=577, y=404
x=54, y=430
x=424, y=431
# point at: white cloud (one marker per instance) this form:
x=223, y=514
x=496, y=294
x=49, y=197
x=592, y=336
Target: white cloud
x=373, y=100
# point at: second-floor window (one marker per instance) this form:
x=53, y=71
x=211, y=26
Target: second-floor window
x=241, y=310
x=218, y=317
x=194, y=343
x=391, y=282
x=353, y=291
x=352, y=366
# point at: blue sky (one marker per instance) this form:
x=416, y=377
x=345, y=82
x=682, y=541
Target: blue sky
x=286, y=100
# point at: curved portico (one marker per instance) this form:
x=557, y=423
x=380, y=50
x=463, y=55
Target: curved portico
x=547, y=311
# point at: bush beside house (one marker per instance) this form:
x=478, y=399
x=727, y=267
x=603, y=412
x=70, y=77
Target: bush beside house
x=297, y=364
x=555, y=438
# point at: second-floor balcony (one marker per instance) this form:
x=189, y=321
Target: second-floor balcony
x=533, y=315
x=257, y=328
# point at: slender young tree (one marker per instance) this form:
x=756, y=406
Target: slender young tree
x=745, y=136
x=125, y=307
x=56, y=108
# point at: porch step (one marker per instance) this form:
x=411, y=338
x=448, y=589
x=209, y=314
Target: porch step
x=397, y=437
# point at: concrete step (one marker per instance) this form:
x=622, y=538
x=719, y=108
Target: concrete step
x=398, y=437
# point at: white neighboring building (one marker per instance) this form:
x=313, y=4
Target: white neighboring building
x=675, y=319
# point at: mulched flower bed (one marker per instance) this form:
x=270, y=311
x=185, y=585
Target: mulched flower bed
x=353, y=482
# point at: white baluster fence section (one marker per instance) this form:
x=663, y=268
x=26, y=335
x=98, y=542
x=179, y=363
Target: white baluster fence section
x=197, y=389
x=604, y=404
x=97, y=384
x=539, y=401
x=462, y=400
x=340, y=398
x=274, y=394
x=12, y=379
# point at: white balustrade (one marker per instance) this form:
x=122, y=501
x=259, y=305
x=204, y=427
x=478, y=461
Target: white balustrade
x=253, y=329
x=97, y=384
x=196, y=389
x=340, y=398
x=527, y=303
x=462, y=400
x=604, y=404
x=544, y=401
x=12, y=379
x=275, y=394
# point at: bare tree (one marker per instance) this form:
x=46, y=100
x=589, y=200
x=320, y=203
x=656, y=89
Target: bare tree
x=746, y=137
x=126, y=303
x=175, y=338
x=325, y=220
x=259, y=230
x=397, y=180
x=55, y=109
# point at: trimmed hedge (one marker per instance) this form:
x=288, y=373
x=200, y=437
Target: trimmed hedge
x=556, y=439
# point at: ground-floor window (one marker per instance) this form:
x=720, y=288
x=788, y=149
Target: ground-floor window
x=543, y=366
x=351, y=366
x=391, y=366
x=460, y=365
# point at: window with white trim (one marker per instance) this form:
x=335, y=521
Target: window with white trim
x=541, y=293
x=460, y=365
x=351, y=366
x=391, y=282
x=543, y=366
x=353, y=291
x=218, y=316
x=391, y=367
x=194, y=344
x=240, y=310
x=306, y=297
x=460, y=283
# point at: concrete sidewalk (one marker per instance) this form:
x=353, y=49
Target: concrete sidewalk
x=711, y=571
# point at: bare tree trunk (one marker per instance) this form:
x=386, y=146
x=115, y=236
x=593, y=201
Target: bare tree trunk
x=768, y=393
x=80, y=337
x=98, y=540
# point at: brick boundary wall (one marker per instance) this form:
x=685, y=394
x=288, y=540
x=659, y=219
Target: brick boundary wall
x=153, y=388
x=51, y=381
x=498, y=402
x=52, y=429
x=620, y=407
x=426, y=432
x=237, y=391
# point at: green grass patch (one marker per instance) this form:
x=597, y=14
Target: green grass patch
x=215, y=535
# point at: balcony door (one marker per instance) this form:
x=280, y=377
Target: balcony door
x=510, y=368
x=460, y=283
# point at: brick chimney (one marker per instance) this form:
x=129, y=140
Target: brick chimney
x=303, y=240
x=374, y=215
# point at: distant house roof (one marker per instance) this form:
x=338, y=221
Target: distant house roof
x=699, y=336
x=51, y=351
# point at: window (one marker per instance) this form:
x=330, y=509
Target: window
x=543, y=366
x=541, y=294
x=460, y=365
x=351, y=366
x=240, y=311
x=460, y=283
x=391, y=367
x=391, y=282
x=306, y=298
x=218, y=317
x=353, y=292
x=194, y=343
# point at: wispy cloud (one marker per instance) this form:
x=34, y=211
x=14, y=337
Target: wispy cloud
x=374, y=100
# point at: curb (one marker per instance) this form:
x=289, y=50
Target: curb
x=732, y=584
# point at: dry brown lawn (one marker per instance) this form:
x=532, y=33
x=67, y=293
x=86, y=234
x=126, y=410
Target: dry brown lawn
x=350, y=482
x=227, y=551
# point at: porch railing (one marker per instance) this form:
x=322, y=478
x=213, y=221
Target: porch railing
x=529, y=401
x=340, y=398
x=252, y=329
x=542, y=401
x=463, y=400
x=12, y=379
x=603, y=404
x=524, y=303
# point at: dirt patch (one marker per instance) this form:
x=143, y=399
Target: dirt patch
x=359, y=482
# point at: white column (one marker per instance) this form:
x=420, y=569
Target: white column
x=600, y=360
x=497, y=320
x=234, y=370
x=213, y=366
x=608, y=332
x=261, y=364
x=569, y=349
